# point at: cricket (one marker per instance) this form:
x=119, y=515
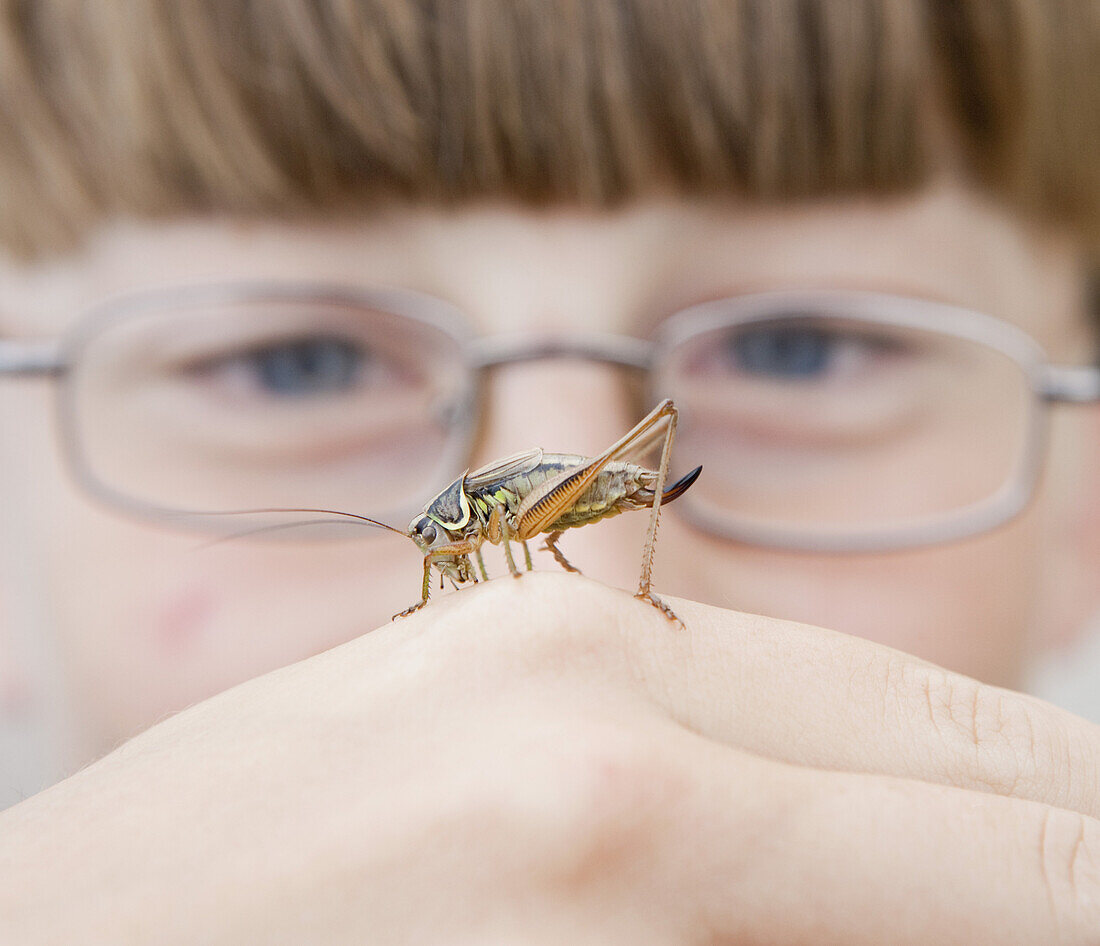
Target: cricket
x=536, y=493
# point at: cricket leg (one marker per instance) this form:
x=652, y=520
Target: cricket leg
x=425, y=591
x=504, y=538
x=498, y=533
x=551, y=546
x=646, y=578
x=481, y=565
x=444, y=551
x=527, y=555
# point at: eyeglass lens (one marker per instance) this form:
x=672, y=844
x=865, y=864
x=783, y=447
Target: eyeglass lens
x=274, y=403
x=827, y=425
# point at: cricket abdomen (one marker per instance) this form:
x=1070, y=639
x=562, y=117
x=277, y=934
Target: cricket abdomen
x=618, y=487
x=608, y=495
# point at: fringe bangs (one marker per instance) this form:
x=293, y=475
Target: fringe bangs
x=287, y=108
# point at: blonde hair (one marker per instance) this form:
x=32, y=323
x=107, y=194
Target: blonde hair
x=294, y=107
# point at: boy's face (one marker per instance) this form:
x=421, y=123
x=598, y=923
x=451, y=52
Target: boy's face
x=148, y=621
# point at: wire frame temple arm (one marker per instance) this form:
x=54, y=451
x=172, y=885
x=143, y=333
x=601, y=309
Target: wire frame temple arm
x=23, y=358
x=1072, y=384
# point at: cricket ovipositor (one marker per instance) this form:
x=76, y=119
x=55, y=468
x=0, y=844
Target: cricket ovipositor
x=538, y=493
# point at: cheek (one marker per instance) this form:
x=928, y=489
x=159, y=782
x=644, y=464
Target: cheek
x=150, y=622
x=967, y=606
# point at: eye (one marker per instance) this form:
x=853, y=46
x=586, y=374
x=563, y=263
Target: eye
x=304, y=366
x=785, y=352
x=427, y=532
x=800, y=352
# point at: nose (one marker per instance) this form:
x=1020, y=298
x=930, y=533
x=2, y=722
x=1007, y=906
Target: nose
x=567, y=406
x=574, y=408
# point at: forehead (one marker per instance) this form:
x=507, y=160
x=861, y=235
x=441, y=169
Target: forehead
x=510, y=268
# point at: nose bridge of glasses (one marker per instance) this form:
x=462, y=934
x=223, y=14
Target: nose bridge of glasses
x=621, y=351
x=563, y=397
x=565, y=401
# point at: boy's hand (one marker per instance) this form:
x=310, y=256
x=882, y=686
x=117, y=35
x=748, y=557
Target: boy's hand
x=551, y=761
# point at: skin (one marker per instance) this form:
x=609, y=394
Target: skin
x=146, y=625
x=582, y=775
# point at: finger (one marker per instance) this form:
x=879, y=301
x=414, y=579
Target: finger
x=808, y=696
x=853, y=859
x=785, y=691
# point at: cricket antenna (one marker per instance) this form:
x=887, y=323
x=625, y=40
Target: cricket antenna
x=327, y=512
x=350, y=517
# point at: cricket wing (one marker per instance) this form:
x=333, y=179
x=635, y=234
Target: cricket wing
x=545, y=505
x=515, y=465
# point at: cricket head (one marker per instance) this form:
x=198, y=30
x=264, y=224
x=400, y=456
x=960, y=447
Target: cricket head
x=444, y=520
x=428, y=535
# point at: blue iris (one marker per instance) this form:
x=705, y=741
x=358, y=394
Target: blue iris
x=308, y=366
x=782, y=352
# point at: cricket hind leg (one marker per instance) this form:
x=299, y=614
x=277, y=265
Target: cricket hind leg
x=645, y=580
x=652, y=599
x=545, y=505
x=551, y=546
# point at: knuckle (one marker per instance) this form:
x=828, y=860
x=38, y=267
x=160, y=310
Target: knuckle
x=559, y=804
x=613, y=797
x=996, y=736
x=543, y=625
x=1068, y=864
x=619, y=775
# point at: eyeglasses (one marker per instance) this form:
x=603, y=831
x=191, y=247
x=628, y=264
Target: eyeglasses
x=829, y=421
